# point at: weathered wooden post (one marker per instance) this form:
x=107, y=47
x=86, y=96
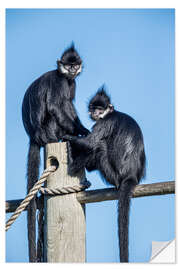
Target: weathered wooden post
x=64, y=229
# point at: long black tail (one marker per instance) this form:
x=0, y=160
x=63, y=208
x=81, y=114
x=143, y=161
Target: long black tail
x=125, y=193
x=32, y=177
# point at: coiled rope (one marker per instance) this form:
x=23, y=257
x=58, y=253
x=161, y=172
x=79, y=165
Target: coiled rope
x=46, y=191
x=30, y=195
x=65, y=190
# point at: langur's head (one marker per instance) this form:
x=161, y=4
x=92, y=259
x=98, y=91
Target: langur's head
x=70, y=64
x=100, y=105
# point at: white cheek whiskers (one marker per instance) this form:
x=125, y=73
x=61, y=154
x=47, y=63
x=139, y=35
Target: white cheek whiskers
x=102, y=115
x=79, y=70
x=63, y=70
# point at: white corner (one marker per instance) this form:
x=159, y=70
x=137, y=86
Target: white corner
x=163, y=252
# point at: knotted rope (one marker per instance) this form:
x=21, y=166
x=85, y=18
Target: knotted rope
x=30, y=195
x=66, y=190
x=46, y=191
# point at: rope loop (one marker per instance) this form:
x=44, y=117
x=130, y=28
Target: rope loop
x=46, y=191
x=66, y=189
x=33, y=191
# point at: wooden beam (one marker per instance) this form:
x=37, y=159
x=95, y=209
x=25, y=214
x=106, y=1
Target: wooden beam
x=105, y=194
x=11, y=205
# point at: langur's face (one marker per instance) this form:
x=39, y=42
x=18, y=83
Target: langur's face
x=98, y=112
x=71, y=70
x=70, y=64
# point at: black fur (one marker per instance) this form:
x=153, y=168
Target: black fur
x=115, y=148
x=48, y=113
x=32, y=176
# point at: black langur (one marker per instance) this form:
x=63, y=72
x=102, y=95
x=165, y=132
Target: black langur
x=48, y=113
x=114, y=147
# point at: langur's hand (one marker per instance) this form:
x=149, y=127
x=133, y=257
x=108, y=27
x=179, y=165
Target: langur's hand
x=69, y=138
x=85, y=132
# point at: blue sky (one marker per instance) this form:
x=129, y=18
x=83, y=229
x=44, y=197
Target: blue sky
x=132, y=52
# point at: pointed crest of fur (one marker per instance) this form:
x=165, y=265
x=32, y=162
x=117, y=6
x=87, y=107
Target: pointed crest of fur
x=71, y=56
x=100, y=99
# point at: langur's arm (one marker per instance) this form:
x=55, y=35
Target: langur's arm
x=70, y=112
x=90, y=142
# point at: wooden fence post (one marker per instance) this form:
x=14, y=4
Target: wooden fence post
x=64, y=228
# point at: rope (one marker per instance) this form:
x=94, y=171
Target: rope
x=31, y=194
x=65, y=190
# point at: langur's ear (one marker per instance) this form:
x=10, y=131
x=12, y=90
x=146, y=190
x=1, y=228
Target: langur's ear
x=111, y=107
x=58, y=62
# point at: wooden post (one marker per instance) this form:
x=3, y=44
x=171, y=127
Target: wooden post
x=64, y=229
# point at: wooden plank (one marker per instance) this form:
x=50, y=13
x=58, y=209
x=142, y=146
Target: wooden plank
x=64, y=230
x=105, y=194
x=11, y=205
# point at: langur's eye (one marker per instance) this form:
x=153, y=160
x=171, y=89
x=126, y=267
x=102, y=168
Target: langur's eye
x=77, y=66
x=97, y=107
x=67, y=66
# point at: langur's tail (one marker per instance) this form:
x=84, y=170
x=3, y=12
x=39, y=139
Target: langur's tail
x=32, y=177
x=125, y=193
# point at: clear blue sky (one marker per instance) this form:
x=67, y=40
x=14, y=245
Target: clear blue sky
x=132, y=52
